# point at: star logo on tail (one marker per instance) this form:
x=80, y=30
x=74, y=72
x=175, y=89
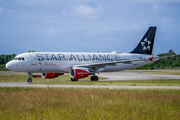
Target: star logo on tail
x=146, y=44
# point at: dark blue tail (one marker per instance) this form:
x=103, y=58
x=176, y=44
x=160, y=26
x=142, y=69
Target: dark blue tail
x=145, y=46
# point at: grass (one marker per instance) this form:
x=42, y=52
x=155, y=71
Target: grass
x=127, y=83
x=13, y=77
x=69, y=103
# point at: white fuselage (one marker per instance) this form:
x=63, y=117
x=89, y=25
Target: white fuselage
x=45, y=62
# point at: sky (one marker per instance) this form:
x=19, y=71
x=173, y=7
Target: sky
x=87, y=25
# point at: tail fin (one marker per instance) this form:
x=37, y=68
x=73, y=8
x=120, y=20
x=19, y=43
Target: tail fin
x=145, y=46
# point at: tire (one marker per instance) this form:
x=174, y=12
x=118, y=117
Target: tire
x=92, y=78
x=75, y=79
x=96, y=78
x=72, y=79
x=29, y=80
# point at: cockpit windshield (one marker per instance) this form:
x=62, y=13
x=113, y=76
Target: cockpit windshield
x=19, y=58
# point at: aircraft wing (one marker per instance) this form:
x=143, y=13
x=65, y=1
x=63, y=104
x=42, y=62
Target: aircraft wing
x=96, y=66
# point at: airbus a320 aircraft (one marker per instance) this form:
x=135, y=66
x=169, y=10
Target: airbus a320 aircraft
x=80, y=65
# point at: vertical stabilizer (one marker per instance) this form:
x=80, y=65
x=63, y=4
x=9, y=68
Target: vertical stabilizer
x=145, y=46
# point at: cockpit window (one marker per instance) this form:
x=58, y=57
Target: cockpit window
x=19, y=58
x=15, y=58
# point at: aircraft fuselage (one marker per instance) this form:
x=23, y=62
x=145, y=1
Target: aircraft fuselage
x=38, y=62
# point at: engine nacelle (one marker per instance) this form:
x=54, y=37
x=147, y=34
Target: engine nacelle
x=78, y=72
x=50, y=75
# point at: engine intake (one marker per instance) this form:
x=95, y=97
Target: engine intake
x=78, y=72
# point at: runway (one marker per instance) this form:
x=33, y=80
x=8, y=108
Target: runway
x=25, y=84
x=123, y=75
x=136, y=75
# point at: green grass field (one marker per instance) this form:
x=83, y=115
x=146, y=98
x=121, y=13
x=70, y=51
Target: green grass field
x=127, y=83
x=88, y=104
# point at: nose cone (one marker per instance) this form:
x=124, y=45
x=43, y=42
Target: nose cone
x=9, y=66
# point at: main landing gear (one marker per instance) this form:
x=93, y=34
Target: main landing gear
x=30, y=79
x=94, y=78
x=72, y=79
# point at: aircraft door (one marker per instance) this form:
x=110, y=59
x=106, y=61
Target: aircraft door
x=33, y=60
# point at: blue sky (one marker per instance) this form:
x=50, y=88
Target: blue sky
x=87, y=25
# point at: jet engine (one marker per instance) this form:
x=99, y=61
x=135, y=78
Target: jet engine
x=78, y=72
x=50, y=75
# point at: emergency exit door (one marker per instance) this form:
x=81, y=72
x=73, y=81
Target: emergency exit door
x=33, y=60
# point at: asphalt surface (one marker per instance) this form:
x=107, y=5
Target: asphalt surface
x=123, y=75
x=136, y=75
x=25, y=84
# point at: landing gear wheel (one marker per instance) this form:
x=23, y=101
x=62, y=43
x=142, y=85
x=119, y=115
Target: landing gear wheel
x=94, y=78
x=30, y=75
x=29, y=80
x=72, y=79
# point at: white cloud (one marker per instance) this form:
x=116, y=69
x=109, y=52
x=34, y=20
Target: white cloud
x=85, y=10
x=88, y=12
x=1, y=10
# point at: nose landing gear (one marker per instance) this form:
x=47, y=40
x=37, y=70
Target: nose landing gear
x=30, y=77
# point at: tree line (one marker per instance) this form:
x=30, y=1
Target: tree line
x=4, y=59
x=163, y=63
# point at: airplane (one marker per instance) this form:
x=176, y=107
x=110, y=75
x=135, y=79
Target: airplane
x=81, y=65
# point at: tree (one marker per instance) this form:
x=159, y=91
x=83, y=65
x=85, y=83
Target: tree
x=6, y=58
x=31, y=51
x=169, y=62
x=171, y=52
